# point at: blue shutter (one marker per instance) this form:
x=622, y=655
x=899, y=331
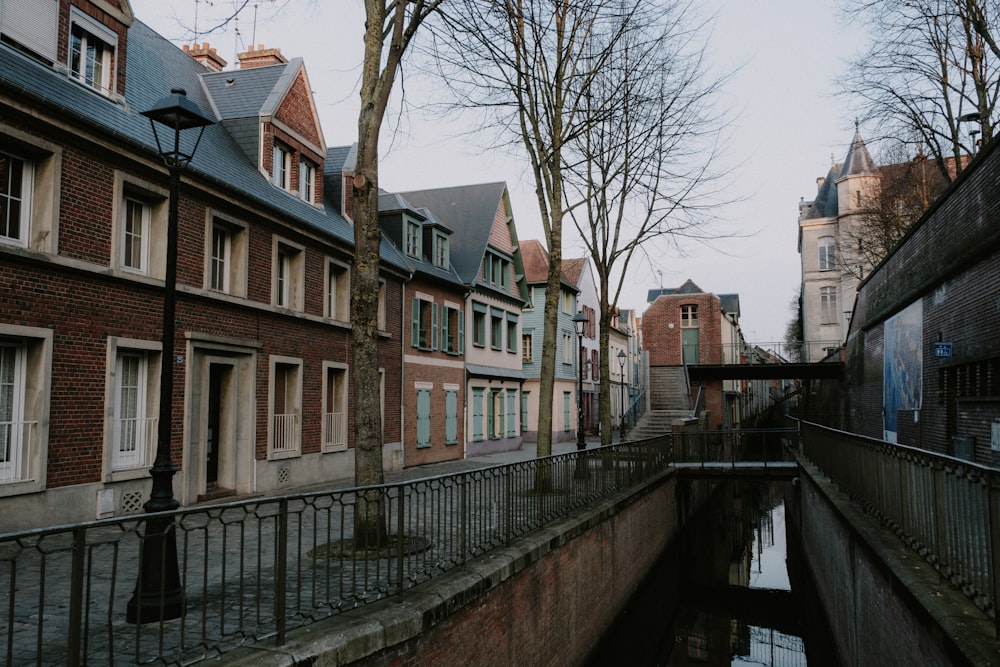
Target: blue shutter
x=511, y=412
x=461, y=332
x=477, y=414
x=451, y=417
x=433, y=343
x=423, y=417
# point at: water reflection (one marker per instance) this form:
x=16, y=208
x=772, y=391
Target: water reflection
x=721, y=594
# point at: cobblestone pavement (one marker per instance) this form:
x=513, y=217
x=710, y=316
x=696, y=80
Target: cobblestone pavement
x=232, y=594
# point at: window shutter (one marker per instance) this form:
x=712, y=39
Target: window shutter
x=415, y=322
x=461, y=332
x=434, y=326
x=33, y=24
x=451, y=416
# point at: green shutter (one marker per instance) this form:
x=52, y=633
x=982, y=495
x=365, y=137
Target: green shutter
x=415, y=322
x=451, y=417
x=477, y=414
x=434, y=327
x=461, y=332
x=423, y=418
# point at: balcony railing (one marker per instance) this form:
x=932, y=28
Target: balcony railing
x=945, y=509
x=135, y=443
x=335, y=430
x=253, y=570
x=15, y=451
x=285, y=433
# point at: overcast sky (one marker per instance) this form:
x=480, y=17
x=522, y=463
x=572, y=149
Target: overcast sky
x=787, y=126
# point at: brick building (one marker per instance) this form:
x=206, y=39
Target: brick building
x=262, y=397
x=923, y=350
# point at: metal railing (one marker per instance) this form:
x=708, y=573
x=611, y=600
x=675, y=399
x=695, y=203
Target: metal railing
x=758, y=353
x=335, y=429
x=253, y=570
x=757, y=447
x=285, y=433
x=945, y=509
x=135, y=443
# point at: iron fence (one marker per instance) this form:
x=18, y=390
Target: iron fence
x=757, y=447
x=945, y=509
x=254, y=569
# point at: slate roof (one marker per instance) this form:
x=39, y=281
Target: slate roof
x=250, y=93
x=825, y=205
x=689, y=287
x=858, y=161
x=469, y=211
x=155, y=66
x=730, y=304
x=390, y=202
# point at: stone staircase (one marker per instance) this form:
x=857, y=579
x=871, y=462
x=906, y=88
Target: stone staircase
x=669, y=399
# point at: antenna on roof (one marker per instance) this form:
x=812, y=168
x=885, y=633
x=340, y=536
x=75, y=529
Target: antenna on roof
x=253, y=33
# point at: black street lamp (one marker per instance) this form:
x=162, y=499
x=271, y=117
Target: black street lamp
x=621, y=418
x=579, y=321
x=158, y=594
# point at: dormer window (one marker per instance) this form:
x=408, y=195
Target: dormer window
x=440, y=250
x=412, y=238
x=307, y=180
x=281, y=167
x=91, y=53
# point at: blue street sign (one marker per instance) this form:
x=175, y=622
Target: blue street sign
x=942, y=350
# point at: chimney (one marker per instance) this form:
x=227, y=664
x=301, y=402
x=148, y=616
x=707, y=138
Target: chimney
x=206, y=55
x=260, y=57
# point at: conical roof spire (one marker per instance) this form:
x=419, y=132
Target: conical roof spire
x=858, y=161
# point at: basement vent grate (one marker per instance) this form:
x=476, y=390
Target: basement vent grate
x=132, y=502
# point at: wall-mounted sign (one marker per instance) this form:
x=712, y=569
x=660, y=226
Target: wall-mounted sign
x=942, y=350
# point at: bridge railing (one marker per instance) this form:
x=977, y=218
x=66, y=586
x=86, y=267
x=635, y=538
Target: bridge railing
x=758, y=353
x=254, y=569
x=946, y=509
x=733, y=448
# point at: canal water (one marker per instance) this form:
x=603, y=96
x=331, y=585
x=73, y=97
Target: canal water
x=729, y=590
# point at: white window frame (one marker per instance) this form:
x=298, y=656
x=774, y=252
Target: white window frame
x=441, y=250
x=234, y=266
x=284, y=429
x=23, y=199
x=412, y=240
x=567, y=348
x=827, y=249
x=281, y=165
x=828, y=305
x=307, y=181
x=134, y=466
x=93, y=35
x=220, y=259
x=288, y=289
x=336, y=389
x=136, y=261
x=338, y=291
x=153, y=250
x=24, y=467
x=137, y=429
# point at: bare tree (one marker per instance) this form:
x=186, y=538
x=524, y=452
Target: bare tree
x=890, y=204
x=930, y=76
x=643, y=161
x=389, y=28
x=528, y=65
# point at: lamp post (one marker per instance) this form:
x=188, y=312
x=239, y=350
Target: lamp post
x=621, y=417
x=158, y=593
x=579, y=321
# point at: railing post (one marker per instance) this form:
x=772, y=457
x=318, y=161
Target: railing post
x=75, y=597
x=940, y=534
x=281, y=569
x=994, y=541
x=463, y=513
x=400, y=538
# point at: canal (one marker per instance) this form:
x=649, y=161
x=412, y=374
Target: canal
x=727, y=591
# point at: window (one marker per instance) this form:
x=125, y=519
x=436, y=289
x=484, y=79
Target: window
x=338, y=292
x=91, y=53
x=226, y=270
x=477, y=414
x=495, y=270
x=412, y=238
x=827, y=253
x=511, y=413
x=828, y=305
x=450, y=414
x=135, y=236
x=381, y=305
x=335, y=408
x=288, y=269
x=567, y=396
x=524, y=411
x=307, y=181
x=595, y=365
x=495, y=414
x=34, y=25
x=526, y=348
x=423, y=324
x=689, y=316
x=478, y=324
x=567, y=302
x=423, y=417
x=496, y=329
x=281, y=166
x=452, y=330
x=15, y=199
x=25, y=377
x=440, y=250
x=567, y=348
x=512, y=333
x=135, y=429
x=286, y=406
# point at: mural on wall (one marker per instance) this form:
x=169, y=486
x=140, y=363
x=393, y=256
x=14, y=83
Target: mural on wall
x=902, y=365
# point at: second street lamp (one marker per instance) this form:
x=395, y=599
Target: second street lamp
x=621, y=416
x=158, y=592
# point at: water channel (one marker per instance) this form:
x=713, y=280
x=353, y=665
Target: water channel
x=728, y=590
